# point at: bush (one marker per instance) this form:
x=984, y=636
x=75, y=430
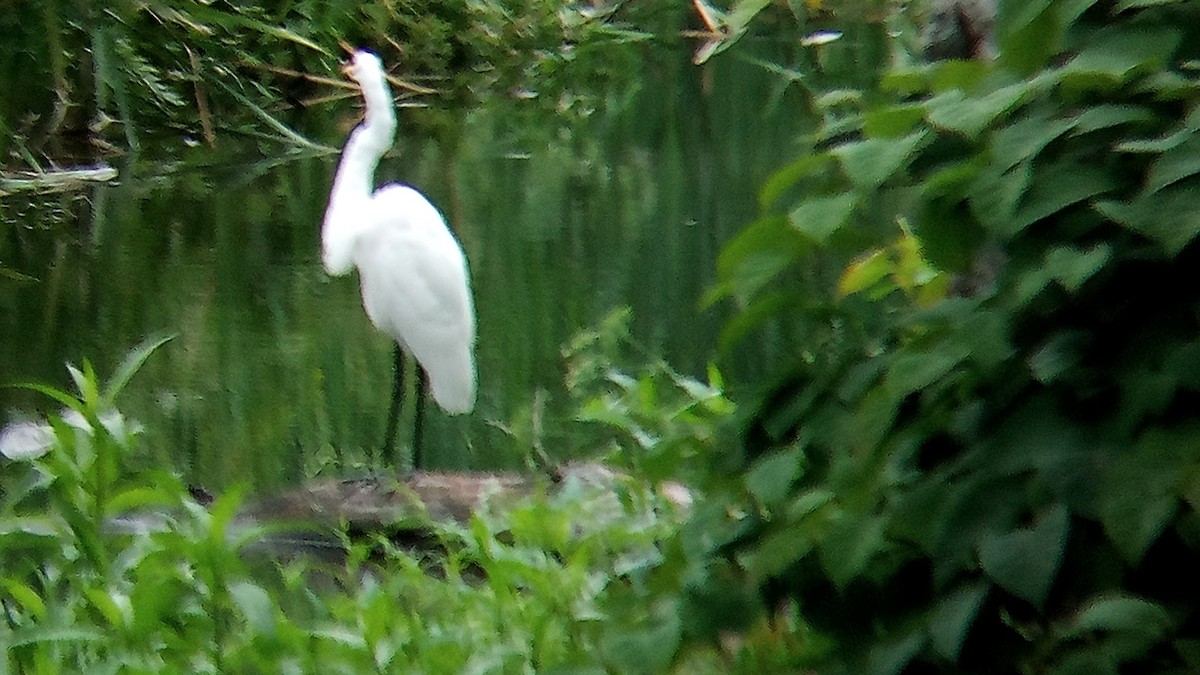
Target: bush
x=985, y=458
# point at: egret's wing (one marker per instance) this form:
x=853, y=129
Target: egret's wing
x=415, y=288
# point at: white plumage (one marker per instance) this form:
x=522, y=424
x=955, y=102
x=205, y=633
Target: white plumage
x=412, y=271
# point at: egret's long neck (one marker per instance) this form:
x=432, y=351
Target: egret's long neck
x=367, y=144
x=355, y=178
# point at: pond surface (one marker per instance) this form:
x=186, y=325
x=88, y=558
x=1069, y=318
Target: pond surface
x=275, y=371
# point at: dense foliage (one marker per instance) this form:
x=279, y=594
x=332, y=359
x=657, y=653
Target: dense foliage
x=984, y=458
x=82, y=78
x=981, y=454
x=109, y=567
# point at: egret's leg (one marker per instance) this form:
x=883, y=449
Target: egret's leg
x=419, y=418
x=389, y=438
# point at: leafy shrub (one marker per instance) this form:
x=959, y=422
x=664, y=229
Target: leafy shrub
x=985, y=458
x=106, y=567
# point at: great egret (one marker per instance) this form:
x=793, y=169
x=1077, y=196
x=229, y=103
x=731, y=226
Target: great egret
x=412, y=271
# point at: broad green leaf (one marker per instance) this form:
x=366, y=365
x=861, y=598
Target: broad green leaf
x=771, y=477
x=849, y=545
x=648, y=648
x=914, y=369
x=890, y=655
x=774, y=553
x=756, y=256
x=1072, y=267
x=1154, y=146
x=892, y=121
x=995, y=196
x=985, y=335
x=1114, y=58
x=1139, y=493
x=871, y=162
x=952, y=617
x=820, y=217
x=1110, y=115
x=1056, y=356
x=256, y=606
x=961, y=74
x=1030, y=34
x=969, y=116
x=1025, y=561
x=761, y=309
x=782, y=180
x=1120, y=613
x=1025, y=138
x=1175, y=164
x=1056, y=187
x=1170, y=216
x=865, y=273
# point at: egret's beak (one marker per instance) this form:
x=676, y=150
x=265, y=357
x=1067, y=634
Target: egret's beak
x=348, y=70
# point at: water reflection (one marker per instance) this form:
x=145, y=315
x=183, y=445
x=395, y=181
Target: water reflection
x=276, y=371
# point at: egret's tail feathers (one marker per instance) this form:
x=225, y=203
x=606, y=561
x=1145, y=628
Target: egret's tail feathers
x=455, y=395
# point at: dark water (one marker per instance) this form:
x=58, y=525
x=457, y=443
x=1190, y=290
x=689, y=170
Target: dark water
x=276, y=372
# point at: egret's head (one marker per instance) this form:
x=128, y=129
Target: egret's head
x=364, y=68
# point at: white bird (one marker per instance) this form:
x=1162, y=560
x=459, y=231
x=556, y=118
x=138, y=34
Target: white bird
x=412, y=271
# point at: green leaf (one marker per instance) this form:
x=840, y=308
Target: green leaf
x=871, y=162
x=850, y=543
x=1138, y=496
x=49, y=634
x=1110, y=115
x=1139, y=4
x=782, y=180
x=24, y=596
x=820, y=217
x=761, y=309
x=1056, y=356
x=890, y=655
x=1155, y=146
x=893, y=121
x=114, y=608
x=1072, y=267
x=648, y=648
x=1023, y=139
x=913, y=370
x=994, y=196
x=969, y=116
x=771, y=477
x=952, y=617
x=1120, y=613
x=1170, y=216
x=756, y=256
x=865, y=273
x=1057, y=187
x=256, y=605
x=1117, y=56
x=1025, y=561
x=774, y=553
x=130, y=365
x=1175, y=164
x=233, y=21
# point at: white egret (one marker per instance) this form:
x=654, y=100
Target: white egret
x=412, y=271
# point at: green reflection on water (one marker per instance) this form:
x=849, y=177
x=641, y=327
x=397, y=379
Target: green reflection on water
x=277, y=372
